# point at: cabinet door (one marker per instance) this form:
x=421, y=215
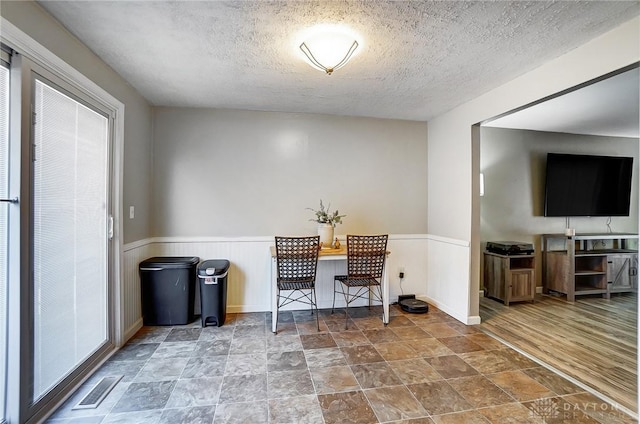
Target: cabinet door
x=522, y=285
x=494, y=276
x=619, y=271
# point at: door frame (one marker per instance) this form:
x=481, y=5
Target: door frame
x=19, y=264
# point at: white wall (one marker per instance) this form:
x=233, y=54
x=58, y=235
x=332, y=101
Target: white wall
x=243, y=173
x=451, y=153
x=38, y=24
x=227, y=181
x=513, y=163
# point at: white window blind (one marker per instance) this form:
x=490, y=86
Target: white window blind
x=69, y=235
x=4, y=226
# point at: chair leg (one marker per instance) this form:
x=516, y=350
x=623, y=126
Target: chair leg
x=380, y=296
x=315, y=304
x=311, y=303
x=346, y=307
x=277, y=310
x=333, y=305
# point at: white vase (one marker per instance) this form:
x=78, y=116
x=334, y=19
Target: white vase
x=325, y=231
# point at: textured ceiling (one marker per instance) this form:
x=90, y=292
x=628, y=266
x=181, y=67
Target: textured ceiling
x=416, y=60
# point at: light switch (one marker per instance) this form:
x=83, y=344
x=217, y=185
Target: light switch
x=132, y=212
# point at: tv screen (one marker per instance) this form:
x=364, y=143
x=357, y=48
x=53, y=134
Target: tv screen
x=583, y=185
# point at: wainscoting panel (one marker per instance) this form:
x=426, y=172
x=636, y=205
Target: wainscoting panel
x=448, y=265
x=134, y=253
x=249, y=281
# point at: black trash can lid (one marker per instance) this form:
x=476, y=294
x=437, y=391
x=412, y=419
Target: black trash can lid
x=213, y=268
x=170, y=262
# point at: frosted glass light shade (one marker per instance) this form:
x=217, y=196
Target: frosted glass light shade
x=329, y=51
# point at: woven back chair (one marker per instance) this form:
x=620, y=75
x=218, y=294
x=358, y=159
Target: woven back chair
x=297, y=262
x=366, y=256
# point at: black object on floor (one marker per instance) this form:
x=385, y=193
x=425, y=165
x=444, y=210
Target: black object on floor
x=213, y=291
x=168, y=289
x=414, y=306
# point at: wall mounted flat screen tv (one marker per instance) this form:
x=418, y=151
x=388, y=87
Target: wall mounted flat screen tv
x=585, y=185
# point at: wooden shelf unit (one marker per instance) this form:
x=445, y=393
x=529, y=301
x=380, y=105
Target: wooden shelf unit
x=579, y=267
x=509, y=278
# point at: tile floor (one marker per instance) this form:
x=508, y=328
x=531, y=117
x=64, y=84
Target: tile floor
x=419, y=369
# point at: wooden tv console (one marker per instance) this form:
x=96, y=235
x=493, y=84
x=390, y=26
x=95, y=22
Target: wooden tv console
x=583, y=264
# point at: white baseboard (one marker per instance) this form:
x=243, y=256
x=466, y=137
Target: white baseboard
x=131, y=331
x=473, y=320
x=467, y=320
x=240, y=309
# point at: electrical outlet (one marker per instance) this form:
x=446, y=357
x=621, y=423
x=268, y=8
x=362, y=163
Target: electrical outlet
x=132, y=212
x=401, y=271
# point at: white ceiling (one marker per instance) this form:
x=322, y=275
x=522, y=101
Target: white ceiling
x=610, y=107
x=416, y=60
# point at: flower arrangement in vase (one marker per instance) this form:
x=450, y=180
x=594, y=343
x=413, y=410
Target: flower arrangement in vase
x=326, y=223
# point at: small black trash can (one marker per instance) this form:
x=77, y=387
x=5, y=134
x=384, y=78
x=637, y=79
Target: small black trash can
x=168, y=289
x=213, y=291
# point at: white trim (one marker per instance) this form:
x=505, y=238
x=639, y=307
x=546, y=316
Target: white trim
x=473, y=320
x=131, y=331
x=259, y=239
x=136, y=244
x=240, y=309
x=463, y=243
x=118, y=237
x=467, y=320
x=408, y=236
x=251, y=239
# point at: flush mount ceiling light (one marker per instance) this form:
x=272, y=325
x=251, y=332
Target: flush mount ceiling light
x=329, y=49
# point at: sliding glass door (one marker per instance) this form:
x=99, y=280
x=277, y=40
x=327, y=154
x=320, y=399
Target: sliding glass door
x=70, y=234
x=57, y=262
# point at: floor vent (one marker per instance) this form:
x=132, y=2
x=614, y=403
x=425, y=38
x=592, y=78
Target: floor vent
x=98, y=393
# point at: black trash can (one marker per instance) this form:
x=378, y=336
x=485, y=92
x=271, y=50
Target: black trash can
x=168, y=289
x=213, y=291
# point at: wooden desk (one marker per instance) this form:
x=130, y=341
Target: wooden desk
x=324, y=255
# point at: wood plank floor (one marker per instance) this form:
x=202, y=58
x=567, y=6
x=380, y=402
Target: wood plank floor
x=593, y=340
